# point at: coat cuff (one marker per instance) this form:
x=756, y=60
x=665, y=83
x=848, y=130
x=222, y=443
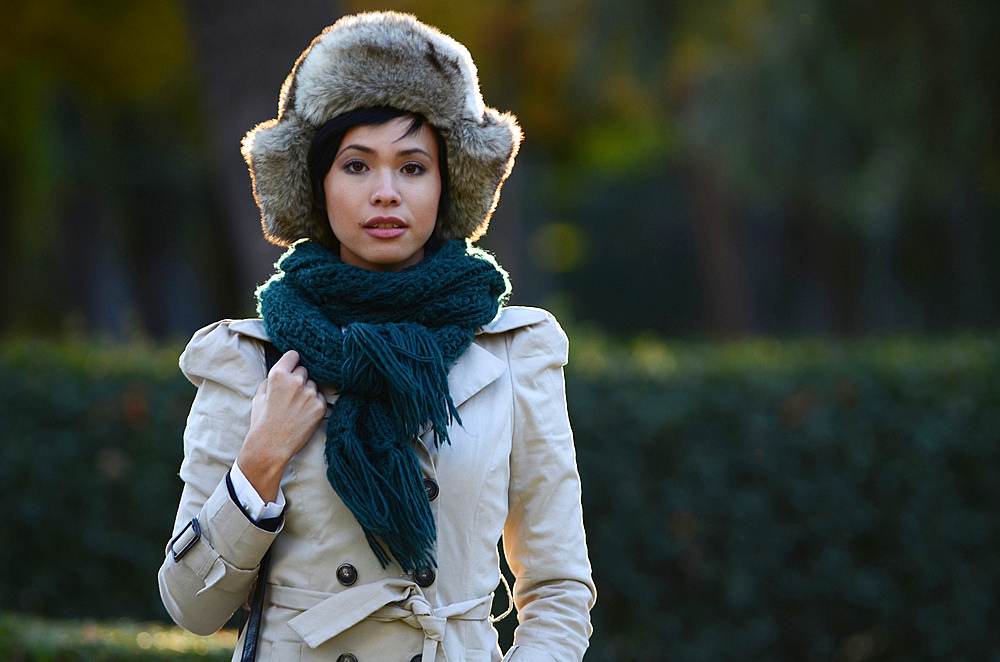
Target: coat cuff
x=268, y=523
x=231, y=546
x=231, y=533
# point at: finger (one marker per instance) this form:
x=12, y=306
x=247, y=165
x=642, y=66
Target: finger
x=301, y=373
x=260, y=396
x=261, y=389
x=314, y=391
x=322, y=405
x=287, y=362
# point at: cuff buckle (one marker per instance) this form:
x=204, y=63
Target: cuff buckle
x=194, y=526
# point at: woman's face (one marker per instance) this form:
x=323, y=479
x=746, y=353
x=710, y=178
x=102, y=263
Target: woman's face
x=382, y=194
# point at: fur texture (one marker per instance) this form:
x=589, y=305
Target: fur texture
x=381, y=59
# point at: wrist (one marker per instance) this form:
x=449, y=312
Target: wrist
x=262, y=470
x=253, y=505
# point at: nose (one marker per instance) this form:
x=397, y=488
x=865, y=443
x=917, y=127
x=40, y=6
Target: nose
x=386, y=192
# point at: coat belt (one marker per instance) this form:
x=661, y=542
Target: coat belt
x=325, y=615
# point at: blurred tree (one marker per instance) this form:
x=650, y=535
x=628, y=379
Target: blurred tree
x=245, y=51
x=727, y=168
x=865, y=134
x=103, y=219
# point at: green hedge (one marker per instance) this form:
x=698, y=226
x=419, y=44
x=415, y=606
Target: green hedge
x=91, y=448
x=793, y=501
x=27, y=639
x=762, y=500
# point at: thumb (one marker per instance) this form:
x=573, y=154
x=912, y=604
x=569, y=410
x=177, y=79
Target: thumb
x=261, y=390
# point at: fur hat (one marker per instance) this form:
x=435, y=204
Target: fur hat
x=381, y=59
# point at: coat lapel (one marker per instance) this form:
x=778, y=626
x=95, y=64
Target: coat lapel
x=475, y=369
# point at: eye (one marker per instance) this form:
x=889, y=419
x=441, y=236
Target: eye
x=355, y=166
x=414, y=169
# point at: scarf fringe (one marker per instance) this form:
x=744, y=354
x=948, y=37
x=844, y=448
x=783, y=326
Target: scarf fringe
x=390, y=502
x=403, y=363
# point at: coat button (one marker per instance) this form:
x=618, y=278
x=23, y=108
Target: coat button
x=432, y=490
x=347, y=657
x=424, y=576
x=347, y=574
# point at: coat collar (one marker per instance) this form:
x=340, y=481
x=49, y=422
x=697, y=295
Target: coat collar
x=475, y=369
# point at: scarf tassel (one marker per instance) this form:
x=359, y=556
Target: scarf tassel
x=403, y=362
x=383, y=489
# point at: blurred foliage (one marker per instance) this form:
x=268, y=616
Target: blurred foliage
x=104, y=173
x=756, y=500
x=804, y=500
x=29, y=639
x=91, y=448
x=867, y=113
x=104, y=58
x=734, y=167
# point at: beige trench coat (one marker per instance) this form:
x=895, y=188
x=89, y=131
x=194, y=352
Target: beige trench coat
x=510, y=469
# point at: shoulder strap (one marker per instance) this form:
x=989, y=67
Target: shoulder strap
x=271, y=354
x=256, y=610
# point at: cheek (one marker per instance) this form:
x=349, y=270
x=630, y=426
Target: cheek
x=429, y=210
x=430, y=202
x=341, y=199
x=431, y=199
x=332, y=189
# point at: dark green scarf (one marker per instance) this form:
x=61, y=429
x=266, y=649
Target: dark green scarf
x=385, y=341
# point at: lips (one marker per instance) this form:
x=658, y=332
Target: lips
x=385, y=227
x=385, y=222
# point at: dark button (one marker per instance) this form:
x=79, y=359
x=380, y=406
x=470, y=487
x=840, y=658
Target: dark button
x=347, y=657
x=432, y=490
x=416, y=658
x=424, y=576
x=347, y=574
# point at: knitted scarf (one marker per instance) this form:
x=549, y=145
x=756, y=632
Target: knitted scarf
x=385, y=341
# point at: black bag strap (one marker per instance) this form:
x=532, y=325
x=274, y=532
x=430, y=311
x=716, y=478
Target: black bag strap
x=271, y=356
x=256, y=610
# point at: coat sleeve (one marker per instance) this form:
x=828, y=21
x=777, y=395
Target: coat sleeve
x=544, y=538
x=203, y=588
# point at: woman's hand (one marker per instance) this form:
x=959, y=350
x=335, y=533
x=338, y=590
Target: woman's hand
x=285, y=413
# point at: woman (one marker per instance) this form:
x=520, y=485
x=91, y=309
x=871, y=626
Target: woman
x=412, y=418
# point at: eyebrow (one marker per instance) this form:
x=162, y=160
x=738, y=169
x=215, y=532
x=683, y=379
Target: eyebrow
x=414, y=150
x=369, y=150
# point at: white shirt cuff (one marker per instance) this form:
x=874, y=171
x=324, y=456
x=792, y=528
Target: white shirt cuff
x=250, y=501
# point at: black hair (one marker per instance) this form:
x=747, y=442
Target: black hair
x=329, y=137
